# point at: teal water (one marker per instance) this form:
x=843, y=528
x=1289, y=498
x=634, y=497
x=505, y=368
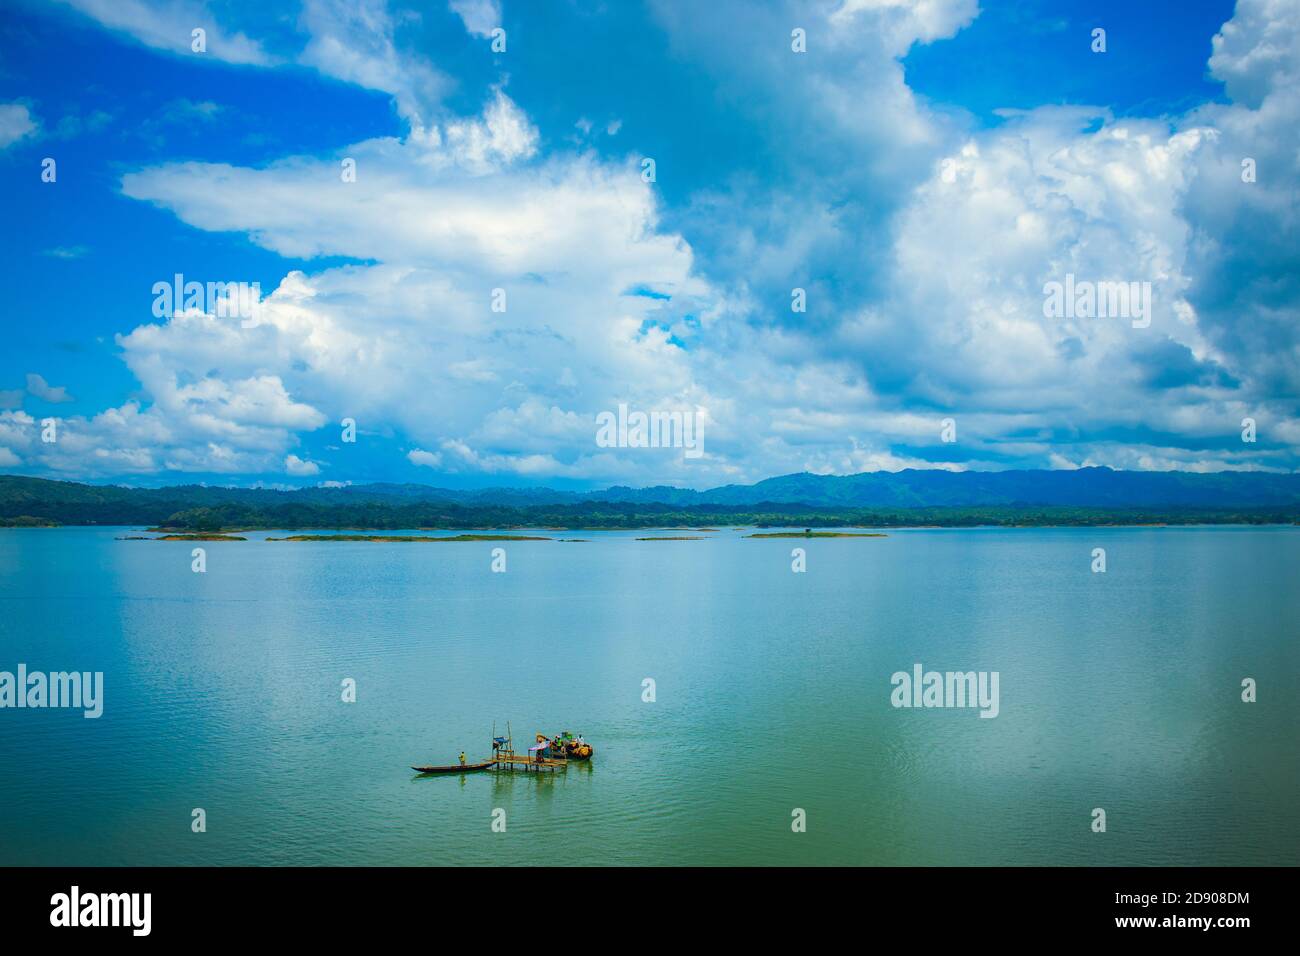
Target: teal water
x=222, y=691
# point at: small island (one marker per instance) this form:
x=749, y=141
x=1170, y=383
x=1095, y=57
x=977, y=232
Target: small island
x=808, y=533
x=193, y=537
x=673, y=538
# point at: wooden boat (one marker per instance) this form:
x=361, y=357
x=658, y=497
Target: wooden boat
x=456, y=768
x=567, y=746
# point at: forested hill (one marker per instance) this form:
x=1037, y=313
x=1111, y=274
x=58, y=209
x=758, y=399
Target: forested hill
x=1086, y=496
x=912, y=488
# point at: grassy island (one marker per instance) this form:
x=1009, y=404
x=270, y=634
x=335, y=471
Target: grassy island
x=818, y=534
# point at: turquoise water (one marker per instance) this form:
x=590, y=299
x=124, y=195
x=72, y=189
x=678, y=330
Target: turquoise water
x=222, y=691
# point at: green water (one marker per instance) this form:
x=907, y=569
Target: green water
x=222, y=691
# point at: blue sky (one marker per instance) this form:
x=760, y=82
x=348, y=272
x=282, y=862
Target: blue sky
x=921, y=171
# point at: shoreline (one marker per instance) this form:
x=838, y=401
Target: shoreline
x=783, y=530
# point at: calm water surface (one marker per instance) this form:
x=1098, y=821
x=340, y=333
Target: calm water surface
x=1118, y=690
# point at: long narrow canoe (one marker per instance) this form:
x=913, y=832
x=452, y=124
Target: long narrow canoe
x=456, y=768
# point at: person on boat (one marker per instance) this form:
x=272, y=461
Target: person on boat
x=462, y=758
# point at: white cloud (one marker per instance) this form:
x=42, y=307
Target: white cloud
x=16, y=121
x=429, y=459
x=941, y=268
x=183, y=110
x=355, y=41
x=480, y=17
x=906, y=22
x=168, y=25
x=66, y=252
x=1257, y=52
x=950, y=314
x=37, y=386
x=213, y=407
x=411, y=200
x=501, y=137
x=298, y=467
x=1244, y=237
x=446, y=218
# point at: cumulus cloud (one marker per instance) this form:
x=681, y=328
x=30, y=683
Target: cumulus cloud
x=1244, y=237
x=1257, y=52
x=563, y=240
x=937, y=297
x=933, y=246
x=213, y=406
x=298, y=467
x=428, y=459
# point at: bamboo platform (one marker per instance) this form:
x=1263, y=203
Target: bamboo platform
x=506, y=760
x=512, y=762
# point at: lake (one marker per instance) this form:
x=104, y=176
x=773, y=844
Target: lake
x=772, y=694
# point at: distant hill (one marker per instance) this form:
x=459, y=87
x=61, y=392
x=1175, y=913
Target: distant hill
x=912, y=488
x=1083, y=496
